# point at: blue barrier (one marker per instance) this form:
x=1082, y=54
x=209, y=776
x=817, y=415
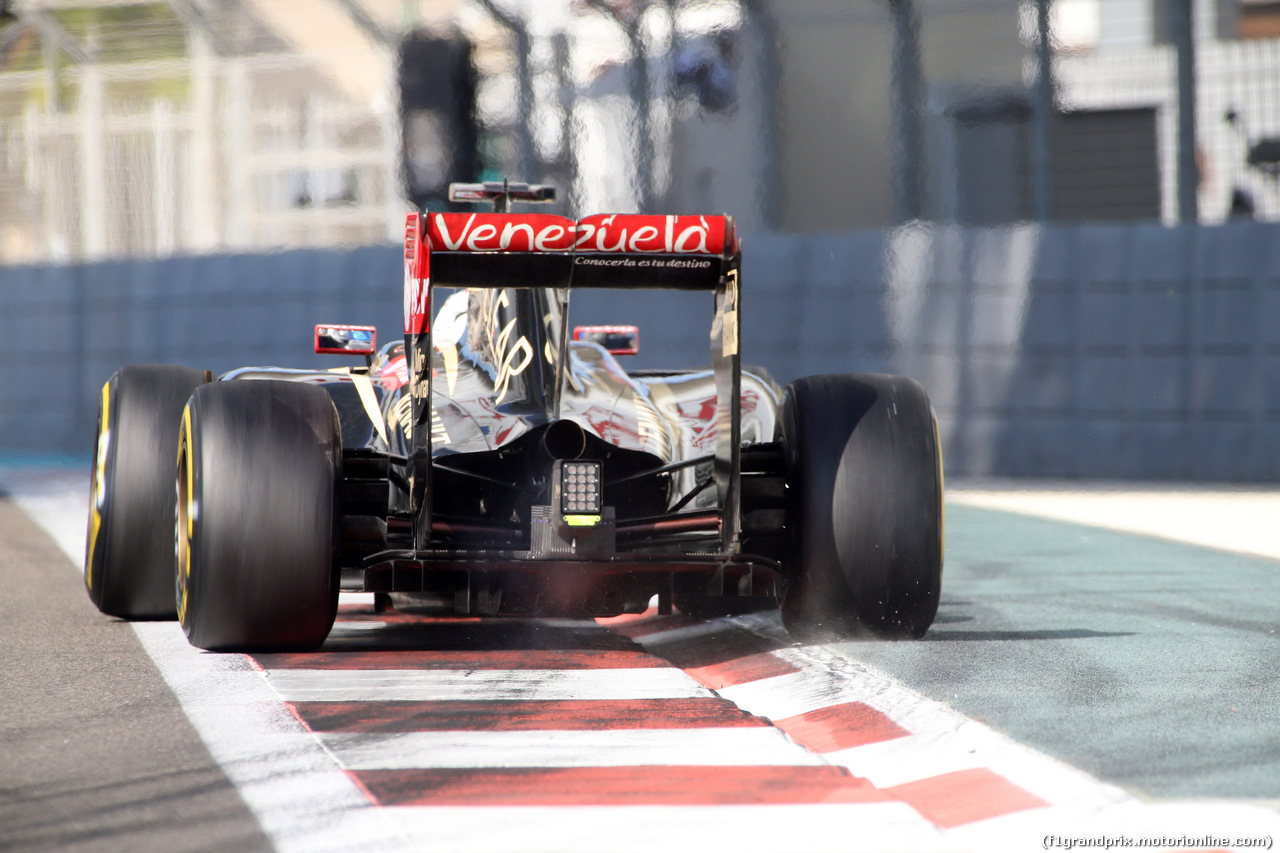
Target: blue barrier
x=1119, y=351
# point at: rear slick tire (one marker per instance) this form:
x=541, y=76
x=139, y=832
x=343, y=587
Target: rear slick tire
x=259, y=474
x=865, y=517
x=129, y=566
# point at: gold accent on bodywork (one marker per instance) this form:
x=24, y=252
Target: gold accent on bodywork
x=729, y=341
x=368, y=399
x=506, y=369
x=364, y=387
x=450, y=355
x=402, y=411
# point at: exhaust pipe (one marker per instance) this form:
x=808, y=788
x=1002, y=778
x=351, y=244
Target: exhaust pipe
x=564, y=440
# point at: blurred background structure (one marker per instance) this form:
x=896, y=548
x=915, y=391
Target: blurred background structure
x=1058, y=214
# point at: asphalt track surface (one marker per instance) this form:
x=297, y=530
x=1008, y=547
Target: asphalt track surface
x=1149, y=664
x=97, y=752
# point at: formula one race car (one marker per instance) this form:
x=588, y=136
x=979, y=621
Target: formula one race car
x=494, y=464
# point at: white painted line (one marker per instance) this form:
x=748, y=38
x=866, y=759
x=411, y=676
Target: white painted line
x=681, y=633
x=942, y=741
x=302, y=798
x=1239, y=519
x=617, y=748
x=58, y=500
x=909, y=759
x=834, y=828
x=327, y=685
x=797, y=693
x=341, y=628
x=573, y=624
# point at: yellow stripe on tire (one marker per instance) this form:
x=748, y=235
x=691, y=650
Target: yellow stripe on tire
x=184, y=520
x=99, y=486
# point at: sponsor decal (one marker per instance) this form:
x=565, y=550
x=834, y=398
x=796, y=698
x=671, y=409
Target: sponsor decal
x=667, y=235
x=510, y=357
x=643, y=263
x=402, y=413
x=514, y=361
x=496, y=232
x=630, y=234
x=439, y=435
x=417, y=290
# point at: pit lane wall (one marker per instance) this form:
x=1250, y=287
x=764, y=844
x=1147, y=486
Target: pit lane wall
x=1116, y=351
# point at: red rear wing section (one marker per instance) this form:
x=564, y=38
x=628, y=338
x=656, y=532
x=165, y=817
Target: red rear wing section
x=417, y=278
x=540, y=250
x=615, y=234
x=499, y=232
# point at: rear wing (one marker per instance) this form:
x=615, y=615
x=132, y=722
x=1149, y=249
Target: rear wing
x=499, y=250
x=539, y=250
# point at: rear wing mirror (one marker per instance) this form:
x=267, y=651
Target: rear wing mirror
x=346, y=340
x=618, y=340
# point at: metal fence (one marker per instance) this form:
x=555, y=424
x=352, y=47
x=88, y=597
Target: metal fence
x=152, y=129
x=1212, y=117
x=154, y=177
